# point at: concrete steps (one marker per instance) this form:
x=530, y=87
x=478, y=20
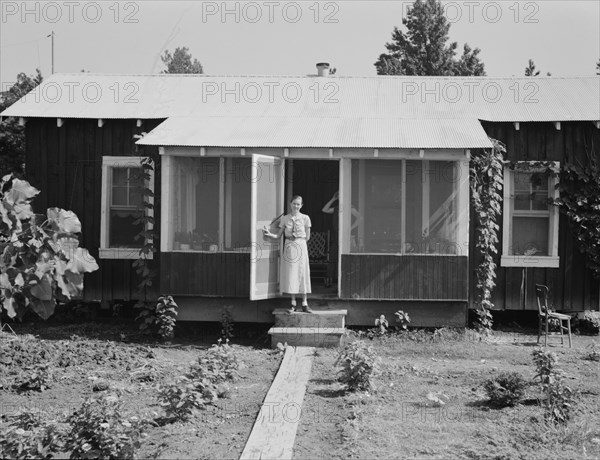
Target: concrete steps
x=322, y=328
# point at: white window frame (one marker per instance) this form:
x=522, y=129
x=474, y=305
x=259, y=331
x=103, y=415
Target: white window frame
x=109, y=162
x=508, y=259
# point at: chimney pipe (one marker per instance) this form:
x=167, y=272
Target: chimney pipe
x=323, y=69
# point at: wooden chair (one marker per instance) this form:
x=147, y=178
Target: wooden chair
x=318, y=255
x=545, y=315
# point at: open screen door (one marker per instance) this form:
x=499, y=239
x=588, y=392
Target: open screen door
x=267, y=204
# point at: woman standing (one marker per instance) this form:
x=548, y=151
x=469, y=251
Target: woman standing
x=295, y=268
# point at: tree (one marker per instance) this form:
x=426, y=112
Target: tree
x=530, y=70
x=180, y=62
x=12, y=135
x=423, y=48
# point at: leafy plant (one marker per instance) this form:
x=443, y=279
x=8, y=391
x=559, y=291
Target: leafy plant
x=180, y=398
x=486, y=187
x=100, y=430
x=159, y=319
x=143, y=265
x=41, y=258
x=579, y=200
x=226, y=324
x=559, y=398
x=358, y=362
x=220, y=364
x=382, y=325
x=402, y=319
x=505, y=389
x=27, y=436
x=166, y=311
x=590, y=323
x=35, y=378
x=594, y=353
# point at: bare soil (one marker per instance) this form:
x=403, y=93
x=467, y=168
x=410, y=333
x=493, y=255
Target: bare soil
x=82, y=364
x=398, y=420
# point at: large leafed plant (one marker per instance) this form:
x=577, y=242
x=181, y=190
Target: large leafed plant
x=40, y=257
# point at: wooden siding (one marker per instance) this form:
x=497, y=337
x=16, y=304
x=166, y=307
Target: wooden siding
x=65, y=164
x=206, y=274
x=407, y=277
x=572, y=286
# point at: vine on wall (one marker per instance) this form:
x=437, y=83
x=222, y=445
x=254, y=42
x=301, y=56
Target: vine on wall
x=486, y=170
x=579, y=200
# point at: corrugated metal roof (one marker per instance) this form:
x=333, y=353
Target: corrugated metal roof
x=319, y=132
x=523, y=99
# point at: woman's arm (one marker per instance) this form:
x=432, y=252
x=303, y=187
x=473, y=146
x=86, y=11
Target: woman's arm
x=307, y=230
x=328, y=209
x=269, y=234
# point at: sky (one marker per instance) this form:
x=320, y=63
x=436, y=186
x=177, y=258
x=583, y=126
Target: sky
x=286, y=37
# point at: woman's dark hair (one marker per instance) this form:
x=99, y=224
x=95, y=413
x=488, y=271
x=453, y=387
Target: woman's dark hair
x=297, y=196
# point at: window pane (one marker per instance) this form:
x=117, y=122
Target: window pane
x=195, y=203
x=119, y=196
x=119, y=177
x=122, y=230
x=530, y=234
x=238, y=176
x=531, y=191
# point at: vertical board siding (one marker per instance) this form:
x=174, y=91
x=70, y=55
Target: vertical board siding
x=65, y=164
x=225, y=274
x=572, y=286
x=410, y=277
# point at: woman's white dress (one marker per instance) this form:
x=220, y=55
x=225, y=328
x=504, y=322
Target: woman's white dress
x=295, y=268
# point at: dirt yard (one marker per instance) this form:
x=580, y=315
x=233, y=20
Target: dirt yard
x=396, y=420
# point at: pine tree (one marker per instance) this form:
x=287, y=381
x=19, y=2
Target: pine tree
x=180, y=62
x=530, y=69
x=423, y=48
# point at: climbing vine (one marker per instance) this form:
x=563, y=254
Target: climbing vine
x=579, y=200
x=486, y=170
x=143, y=265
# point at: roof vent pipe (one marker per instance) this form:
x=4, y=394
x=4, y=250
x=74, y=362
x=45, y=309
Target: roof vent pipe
x=323, y=69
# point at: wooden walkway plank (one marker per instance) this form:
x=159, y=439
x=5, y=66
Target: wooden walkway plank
x=274, y=430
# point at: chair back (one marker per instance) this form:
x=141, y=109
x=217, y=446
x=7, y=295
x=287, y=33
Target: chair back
x=318, y=245
x=541, y=294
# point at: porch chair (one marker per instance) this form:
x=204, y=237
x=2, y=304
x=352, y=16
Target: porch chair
x=318, y=255
x=545, y=315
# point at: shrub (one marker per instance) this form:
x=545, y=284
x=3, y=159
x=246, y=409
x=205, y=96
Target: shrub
x=99, y=430
x=26, y=436
x=179, y=399
x=358, y=363
x=166, y=311
x=559, y=398
x=159, y=319
x=402, y=319
x=206, y=381
x=590, y=323
x=226, y=324
x=505, y=389
x=35, y=378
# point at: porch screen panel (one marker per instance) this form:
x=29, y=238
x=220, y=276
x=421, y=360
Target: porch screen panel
x=195, y=203
x=405, y=207
x=440, y=232
x=377, y=198
x=238, y=177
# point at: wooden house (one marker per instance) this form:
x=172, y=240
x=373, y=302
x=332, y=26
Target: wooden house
x=229, y=152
